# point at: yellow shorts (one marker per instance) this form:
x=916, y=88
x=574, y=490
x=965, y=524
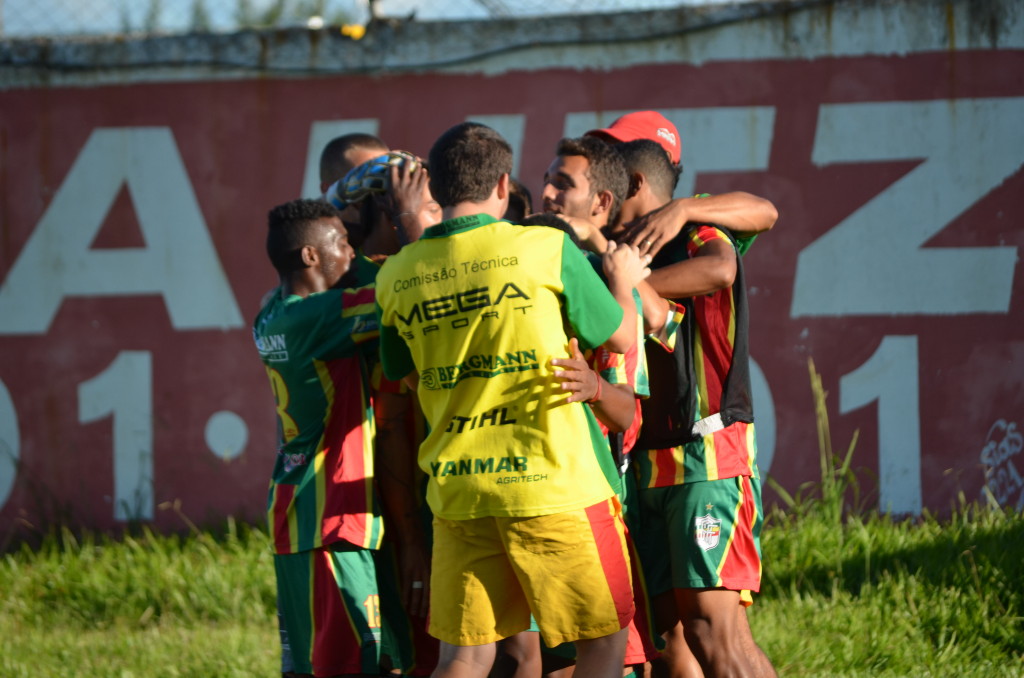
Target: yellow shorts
x=570, y=570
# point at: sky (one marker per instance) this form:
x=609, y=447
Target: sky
x=22, y=18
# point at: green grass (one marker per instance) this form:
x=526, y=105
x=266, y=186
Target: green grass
x=867, y=596
x=851, y=592
x=846, y=592
x=873, y=596
x=140, y=606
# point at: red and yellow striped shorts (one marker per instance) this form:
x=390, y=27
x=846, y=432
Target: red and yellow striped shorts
x=571, y=570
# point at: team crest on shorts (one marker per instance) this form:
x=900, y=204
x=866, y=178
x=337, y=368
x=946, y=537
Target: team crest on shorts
x=709, y=530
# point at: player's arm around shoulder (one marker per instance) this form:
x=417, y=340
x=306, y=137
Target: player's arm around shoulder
x=710, y=268
x=745, y=214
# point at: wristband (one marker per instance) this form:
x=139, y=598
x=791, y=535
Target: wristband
x=597, y=394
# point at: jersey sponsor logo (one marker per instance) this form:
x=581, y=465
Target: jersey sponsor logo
x=481, y=365
x=478, y=265
x=273, y=348
x=364, y=324
x=495, y=417
x=478, y=465
x=709, y=531
x=534, y=478
x=293, y=460
x=457, y=306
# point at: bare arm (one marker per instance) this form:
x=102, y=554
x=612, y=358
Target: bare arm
x=409, y=207
x=742, y=213
x=612, y=404
x=712, y=268
x=624, y=269
x=655, y=307
x=397, y=474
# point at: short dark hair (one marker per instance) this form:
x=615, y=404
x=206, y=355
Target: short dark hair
x=605, y=169
x=466, y=163
x=333, y=164
x=650, y=159
x=552, y=220
x=520, y=202
x=290, y=227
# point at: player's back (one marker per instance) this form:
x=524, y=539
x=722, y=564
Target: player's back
x=482, y=308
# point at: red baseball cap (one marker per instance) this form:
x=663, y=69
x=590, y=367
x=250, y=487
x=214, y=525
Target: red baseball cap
x=643, y=125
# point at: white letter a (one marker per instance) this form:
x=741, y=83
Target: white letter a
x=178, y=262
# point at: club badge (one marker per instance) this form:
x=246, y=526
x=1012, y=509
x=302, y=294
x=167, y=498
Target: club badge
x=709, y=530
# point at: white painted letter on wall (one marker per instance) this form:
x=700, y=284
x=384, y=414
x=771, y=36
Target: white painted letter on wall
x=178, y=262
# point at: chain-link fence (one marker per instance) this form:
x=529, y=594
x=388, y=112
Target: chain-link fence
x=46, y=18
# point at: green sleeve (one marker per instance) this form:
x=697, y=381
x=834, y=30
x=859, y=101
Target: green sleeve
x=395, y=357
x=743, y=243
x=591, y=309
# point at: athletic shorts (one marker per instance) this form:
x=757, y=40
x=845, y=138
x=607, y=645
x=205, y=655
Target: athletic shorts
x=702, y=535
x=331, y=609
x=642, y=644
x=570, y=570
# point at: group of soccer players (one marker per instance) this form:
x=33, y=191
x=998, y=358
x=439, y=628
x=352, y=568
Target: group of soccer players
x=569, y=391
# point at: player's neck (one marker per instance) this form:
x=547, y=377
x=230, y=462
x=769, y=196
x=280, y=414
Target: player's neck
x=464, y=209
x=301, y=285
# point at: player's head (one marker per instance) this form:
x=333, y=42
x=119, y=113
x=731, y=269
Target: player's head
x=586, y=179
x=343, y=153
x=308, y=236
x=371, y=177
x=643, y=125
x=520, y=202
x=646, y=157
x=467, y=163
x=338, y=158
x=367, y=189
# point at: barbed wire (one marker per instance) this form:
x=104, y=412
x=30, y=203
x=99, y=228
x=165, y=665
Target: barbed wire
x=56, y=18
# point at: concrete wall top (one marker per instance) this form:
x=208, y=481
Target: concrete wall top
x=767, y=30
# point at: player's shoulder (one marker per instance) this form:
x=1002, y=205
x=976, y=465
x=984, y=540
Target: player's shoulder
x=311, y=308
x=396, y=262
x=359, y=296
x=699, y=235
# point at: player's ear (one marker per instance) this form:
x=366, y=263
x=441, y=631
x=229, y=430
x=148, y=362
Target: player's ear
x=310, y=256
x=503, y=187
x=636, y=182
x=603, y=201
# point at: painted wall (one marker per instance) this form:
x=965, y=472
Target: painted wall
x=135, y=180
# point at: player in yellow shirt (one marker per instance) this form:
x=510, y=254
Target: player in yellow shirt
x=525, y=519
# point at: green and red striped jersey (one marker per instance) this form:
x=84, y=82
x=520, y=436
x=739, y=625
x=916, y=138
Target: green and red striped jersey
x=731, y=451
x=318, y=352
